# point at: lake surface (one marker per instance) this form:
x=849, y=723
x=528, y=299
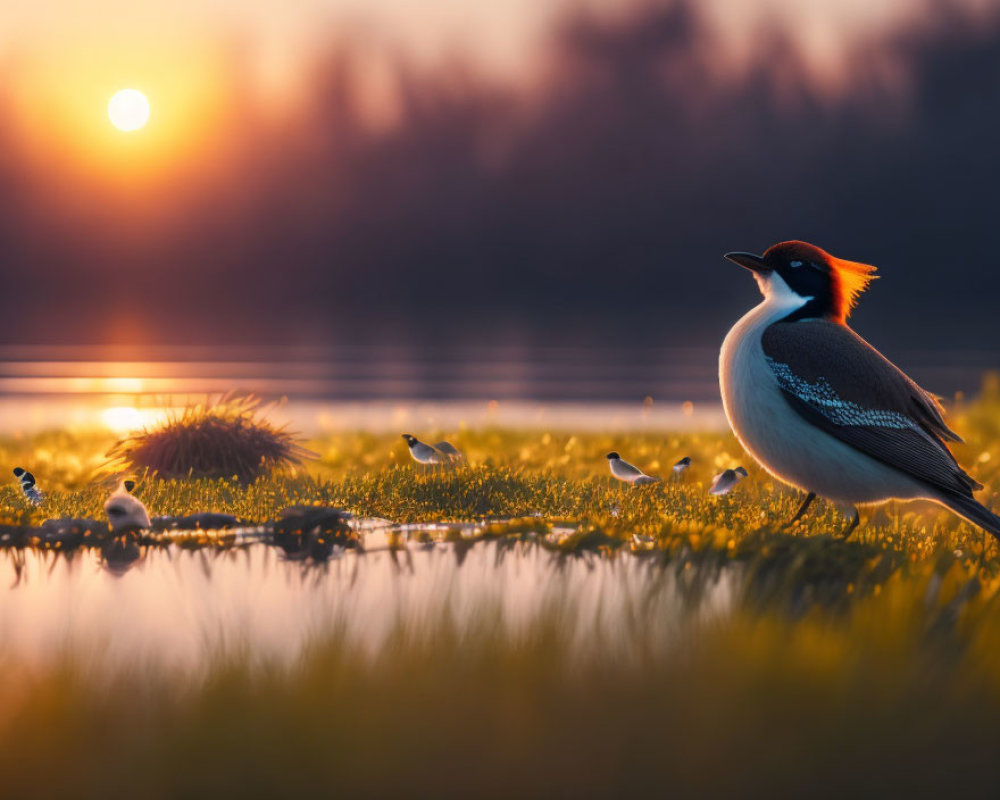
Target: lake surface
x=384, y=387
x=182, y=609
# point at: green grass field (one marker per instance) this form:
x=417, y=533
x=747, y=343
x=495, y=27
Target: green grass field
x=870, y=664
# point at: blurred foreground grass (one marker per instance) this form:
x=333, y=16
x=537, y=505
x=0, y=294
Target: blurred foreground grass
x=892, y=699
x=870, y=665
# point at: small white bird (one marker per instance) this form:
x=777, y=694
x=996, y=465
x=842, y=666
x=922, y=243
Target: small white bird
x=126, y=513
x=31, y=491
x=682, y=465
x=628, y=473
x=725, y=481
x=823, y=410
x=423, y=453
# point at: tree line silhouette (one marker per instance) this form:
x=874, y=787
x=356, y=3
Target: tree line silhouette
x=595, y=202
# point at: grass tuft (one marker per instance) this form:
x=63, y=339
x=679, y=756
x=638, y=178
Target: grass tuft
x=228, y=438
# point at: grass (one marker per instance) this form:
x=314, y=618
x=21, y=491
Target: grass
x=228, y=438
x=547, y=477
x=869, y=665
x=873, y=703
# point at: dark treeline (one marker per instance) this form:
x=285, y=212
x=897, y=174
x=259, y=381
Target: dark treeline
x=605, y=194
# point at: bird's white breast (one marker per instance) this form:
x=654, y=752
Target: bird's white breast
x=623, y=470
x=133, y=512
x=787, y=446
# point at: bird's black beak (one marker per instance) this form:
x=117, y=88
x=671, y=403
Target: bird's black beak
x=749, y=261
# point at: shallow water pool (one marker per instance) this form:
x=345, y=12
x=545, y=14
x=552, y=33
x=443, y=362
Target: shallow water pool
x=181, y=608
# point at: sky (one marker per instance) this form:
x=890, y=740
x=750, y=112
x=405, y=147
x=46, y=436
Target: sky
x=543, y=162
x=65, y=58
x=55, y=41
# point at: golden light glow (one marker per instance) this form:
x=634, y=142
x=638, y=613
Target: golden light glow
x=854, y=279
x=128, y=110
x=60, y=114
x=122, y=419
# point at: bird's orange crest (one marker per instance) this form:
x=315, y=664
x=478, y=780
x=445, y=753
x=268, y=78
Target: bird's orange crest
x=851, y=279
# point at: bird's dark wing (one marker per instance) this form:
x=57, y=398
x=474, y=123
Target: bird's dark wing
x=817, y=349
x=840, y=383
x=723, y=482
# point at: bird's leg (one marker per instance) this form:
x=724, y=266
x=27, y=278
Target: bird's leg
x=855, y=519
x=801, y=512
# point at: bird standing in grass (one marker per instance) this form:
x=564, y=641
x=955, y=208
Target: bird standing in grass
x=682, y=466
x=725, y=481
x=449, y=451
x=628, y=473
x=823, y=410
x=28, y=486
x=126, y=513
x=422, y=453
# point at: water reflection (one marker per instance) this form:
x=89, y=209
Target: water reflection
x=169, y=606
x=121, y=553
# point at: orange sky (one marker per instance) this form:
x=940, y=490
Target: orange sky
x=63, y=59
x=501, y=35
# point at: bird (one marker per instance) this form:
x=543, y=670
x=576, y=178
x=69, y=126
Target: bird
x=31, y=491
x=628, y=473
x=820, y=408
x=682, y=465
x=726, y=480
x=449, y=451
x=423, y=453
x=126, y=513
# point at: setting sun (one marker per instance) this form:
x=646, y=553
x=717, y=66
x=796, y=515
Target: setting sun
x=128, y=110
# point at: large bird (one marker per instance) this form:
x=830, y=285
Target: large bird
x=823, y=410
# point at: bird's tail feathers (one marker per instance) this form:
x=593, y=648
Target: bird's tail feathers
x=974, y=512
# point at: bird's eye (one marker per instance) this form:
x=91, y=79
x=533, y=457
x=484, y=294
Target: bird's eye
x=795, y=263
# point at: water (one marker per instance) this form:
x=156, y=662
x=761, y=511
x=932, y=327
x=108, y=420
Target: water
x=585, y=373
x=382, y=388
x=182, y=609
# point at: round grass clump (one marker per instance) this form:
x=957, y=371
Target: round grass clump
x=224, y=439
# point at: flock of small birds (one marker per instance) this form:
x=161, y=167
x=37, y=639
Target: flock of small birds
x=722, y=483
x=444, y=453
x=126, y=512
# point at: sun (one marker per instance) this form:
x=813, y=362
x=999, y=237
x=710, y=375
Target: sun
x=128, y=110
